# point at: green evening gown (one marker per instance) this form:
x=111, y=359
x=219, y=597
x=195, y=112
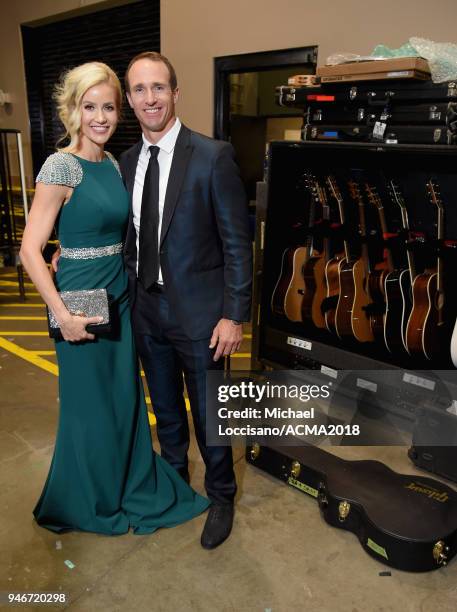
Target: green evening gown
x=104, y=476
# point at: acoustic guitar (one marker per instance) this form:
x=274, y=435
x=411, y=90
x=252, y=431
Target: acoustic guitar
x=315, y=290
x=377, y=276
x=406, y=275
x=426, y=321
x=333, y=267
x=390, y=291
x=287, y=296
x=351, y=319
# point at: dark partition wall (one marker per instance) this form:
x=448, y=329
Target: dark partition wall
x=112, y=36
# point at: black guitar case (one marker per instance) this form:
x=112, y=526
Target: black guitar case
x=407, y=522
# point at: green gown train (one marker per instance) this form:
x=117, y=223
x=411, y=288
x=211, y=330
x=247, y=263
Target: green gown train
x=104, y=476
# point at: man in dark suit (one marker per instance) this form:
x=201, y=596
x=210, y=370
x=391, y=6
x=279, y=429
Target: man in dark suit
x=188, y=254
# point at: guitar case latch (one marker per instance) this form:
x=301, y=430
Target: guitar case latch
x=344, y=508
x=439, y=551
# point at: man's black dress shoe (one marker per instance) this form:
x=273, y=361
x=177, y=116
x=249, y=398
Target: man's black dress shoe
x=218, y=525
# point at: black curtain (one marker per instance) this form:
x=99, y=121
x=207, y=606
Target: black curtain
x=112, y=36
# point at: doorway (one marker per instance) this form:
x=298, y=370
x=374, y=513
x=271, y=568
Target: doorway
x=245, y=111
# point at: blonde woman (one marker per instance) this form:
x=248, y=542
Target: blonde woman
x=104, y=476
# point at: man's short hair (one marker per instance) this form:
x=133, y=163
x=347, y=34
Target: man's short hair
x=154, y=57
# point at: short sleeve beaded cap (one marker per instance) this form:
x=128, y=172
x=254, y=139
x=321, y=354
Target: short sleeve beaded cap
x=61, y=169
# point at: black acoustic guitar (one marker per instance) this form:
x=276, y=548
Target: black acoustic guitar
x=333, y=267
x=391, y=290
x=314, y=271
x=408, y=274
x=405, y=521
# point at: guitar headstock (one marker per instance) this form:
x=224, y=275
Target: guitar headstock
x=334, y=189
x=310, y=183
x=433, y=190
x=396, y=194
x=373, y=196
x=435, y=198
x=322, y=197
x=354, y=190
x=321, y=194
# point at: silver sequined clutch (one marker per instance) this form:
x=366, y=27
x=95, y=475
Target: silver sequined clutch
x=87, y=303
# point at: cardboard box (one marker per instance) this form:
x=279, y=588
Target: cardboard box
x=397, y=64
x=375, y=76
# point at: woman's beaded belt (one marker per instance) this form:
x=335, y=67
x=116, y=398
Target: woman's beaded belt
x=91, y=252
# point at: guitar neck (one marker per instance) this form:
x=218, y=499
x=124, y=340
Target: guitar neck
x=405, y=224
x=409, y=255
x=439, y=298
x=382, y=220
x=363, y=235
x=311, y=219
x=339, y=199
x=439, y=262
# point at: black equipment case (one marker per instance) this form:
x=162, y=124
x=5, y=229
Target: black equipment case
x=442, y=114
x=390, y=134
x=372, y=93
x=434, y=444
x=406, y=522
x=406, y=112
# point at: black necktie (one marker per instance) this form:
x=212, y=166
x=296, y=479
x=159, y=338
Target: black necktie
x=148, y=257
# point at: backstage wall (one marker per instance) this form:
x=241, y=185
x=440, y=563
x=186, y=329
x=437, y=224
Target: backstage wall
x=193, y=33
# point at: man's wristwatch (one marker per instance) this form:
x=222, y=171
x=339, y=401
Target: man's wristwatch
x=236, y=322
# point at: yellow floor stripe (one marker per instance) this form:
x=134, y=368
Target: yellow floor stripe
x=52, y=368
x=20, y=318
x=24, y=333
x=248, y=336
x=240, y=355
x=36, y=360
x=22, y=305
x=42, y=353
x=28, y=293
x=6, y=283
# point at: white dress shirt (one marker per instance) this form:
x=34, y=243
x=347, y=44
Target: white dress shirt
x=167, y=146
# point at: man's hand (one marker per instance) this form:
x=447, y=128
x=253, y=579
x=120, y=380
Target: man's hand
x=227, y=336
x=55, y=259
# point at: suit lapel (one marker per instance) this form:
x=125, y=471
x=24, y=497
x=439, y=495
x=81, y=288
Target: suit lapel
x=181, y=156
x=131, y=164
x=129, y=172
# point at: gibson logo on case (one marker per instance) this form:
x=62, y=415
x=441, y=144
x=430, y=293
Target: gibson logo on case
x=431, y=493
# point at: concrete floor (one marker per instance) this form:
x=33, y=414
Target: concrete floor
x=281, y=556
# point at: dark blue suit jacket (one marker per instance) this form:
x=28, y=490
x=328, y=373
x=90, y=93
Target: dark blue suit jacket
x=205, y=245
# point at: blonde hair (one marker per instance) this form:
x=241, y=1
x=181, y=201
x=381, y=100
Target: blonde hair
x=70, y=90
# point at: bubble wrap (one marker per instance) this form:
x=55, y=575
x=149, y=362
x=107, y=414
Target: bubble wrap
x=442, y=58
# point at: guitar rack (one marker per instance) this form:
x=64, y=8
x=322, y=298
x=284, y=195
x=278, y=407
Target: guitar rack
x=284, y=206
x=13, y=202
